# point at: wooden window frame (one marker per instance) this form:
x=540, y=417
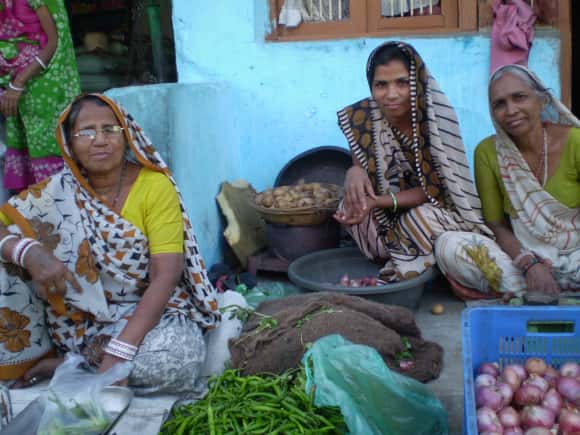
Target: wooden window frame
x=458, y=16
x=453, y=19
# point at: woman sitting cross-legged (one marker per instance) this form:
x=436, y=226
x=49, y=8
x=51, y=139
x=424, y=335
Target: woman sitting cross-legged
x=100, y=259
x=528, y=177
x=410, y=180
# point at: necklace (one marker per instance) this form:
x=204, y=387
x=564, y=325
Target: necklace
x=543, y=161
x=121, y=177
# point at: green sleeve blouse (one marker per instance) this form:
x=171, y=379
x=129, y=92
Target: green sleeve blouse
x=564, y=185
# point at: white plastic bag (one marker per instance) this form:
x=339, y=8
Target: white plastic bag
x=72, y=403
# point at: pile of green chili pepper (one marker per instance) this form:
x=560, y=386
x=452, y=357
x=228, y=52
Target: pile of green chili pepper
x=255, y=405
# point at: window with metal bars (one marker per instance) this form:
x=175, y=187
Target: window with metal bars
x=321, y=19
x=326, y=19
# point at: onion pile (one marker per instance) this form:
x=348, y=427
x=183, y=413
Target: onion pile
x=367, y=281
x=530, y=399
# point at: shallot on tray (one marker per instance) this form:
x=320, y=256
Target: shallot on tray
x=367, y=281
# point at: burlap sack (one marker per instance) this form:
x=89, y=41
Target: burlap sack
x=302, y=319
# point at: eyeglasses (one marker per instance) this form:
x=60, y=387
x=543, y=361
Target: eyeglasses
x=89, y=134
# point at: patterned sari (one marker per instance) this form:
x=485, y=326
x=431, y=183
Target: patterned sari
x=542, y=224
x=33, y=153
x=433, y=159
x=109, y=257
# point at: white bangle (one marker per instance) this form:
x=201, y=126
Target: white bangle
x=118, y=353
x=40, y=62
x=3, y=241
x=26, y=249
x=15, y=88
x=521, y=255
x=114, y=350
x=21, y=248
x=122, y=346
x=20, y=245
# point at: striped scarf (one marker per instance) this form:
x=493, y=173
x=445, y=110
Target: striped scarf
x=436, y=158
x=541, y=223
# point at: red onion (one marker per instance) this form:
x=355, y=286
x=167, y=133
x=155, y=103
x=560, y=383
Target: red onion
x=538, y=381
x=552, y=401
x=506, y=392
x=551, y=375
x=519, y=369
x=513, y=431
x=490, y=432
x=511, y=377
x=569, y=422
x=569, y=388
x=569, y=406
x=489, y=397
x=528, y=395
x=571, y=369
x=536, y=365
x=538, y=431
x=484, y=380
x=509, y=417
x=489, y=369
x=537, y=416
x=487, y=420
x=345, y=280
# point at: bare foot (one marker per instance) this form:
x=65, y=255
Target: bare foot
x=44, y=369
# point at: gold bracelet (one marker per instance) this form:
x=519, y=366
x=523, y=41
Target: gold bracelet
x=395, y=203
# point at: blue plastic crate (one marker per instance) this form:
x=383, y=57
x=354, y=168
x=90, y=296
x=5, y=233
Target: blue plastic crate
x=511, y=335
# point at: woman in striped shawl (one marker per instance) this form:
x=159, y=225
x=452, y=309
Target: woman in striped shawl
x=528, y=177
x=410, y=180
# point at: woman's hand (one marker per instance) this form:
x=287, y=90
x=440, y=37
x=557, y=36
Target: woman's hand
x=9, y=102
x=347, y=218
x=358, y=190
x=49, y=274
x=44, y=369
x=539, y=278
x=108, y=362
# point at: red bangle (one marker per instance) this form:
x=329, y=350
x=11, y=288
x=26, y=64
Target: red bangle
x=531, y=264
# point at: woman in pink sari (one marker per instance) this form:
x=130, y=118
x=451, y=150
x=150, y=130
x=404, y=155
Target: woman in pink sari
x=38, y=77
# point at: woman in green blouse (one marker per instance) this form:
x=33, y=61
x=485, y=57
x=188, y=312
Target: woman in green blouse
x=528, y=178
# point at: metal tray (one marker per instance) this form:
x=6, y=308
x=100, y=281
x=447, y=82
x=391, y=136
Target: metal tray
x=115, y=401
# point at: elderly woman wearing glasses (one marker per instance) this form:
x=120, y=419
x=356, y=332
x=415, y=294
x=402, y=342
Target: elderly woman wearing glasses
x=100, y=259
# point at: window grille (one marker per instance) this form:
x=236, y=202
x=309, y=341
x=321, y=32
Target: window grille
x=402, y=8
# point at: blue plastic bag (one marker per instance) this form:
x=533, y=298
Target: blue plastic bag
x=372, y=398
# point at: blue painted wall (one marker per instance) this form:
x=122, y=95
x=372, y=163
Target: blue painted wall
x=288, y=93
x=244, y=106
x=191, y=127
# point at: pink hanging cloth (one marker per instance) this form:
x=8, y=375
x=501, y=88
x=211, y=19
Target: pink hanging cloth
x=21, y=36
x=512, y=33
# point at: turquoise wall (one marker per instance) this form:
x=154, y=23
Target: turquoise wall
x=288, y=93
x=243, y=106
x=200, y=147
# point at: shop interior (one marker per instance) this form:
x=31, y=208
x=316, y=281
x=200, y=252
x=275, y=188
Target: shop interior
x=122, y=42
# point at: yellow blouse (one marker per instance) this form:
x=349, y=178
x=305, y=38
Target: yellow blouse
x=152, y=206
x=563, y=185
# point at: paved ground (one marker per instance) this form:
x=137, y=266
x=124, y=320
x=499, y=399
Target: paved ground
x=445, y=330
